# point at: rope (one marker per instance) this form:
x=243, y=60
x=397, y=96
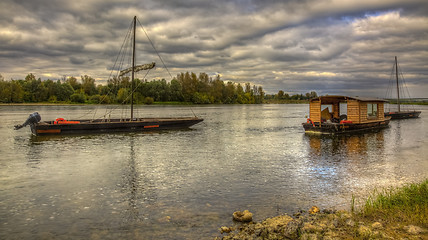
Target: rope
x=153, y=46
x=405, y=86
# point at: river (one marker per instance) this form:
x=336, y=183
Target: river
x=186, y=184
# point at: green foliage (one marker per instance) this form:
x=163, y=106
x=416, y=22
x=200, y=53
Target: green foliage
x=148, y=100
x=78, y=98
x=185, y=87
x=123, y=96
x=53, y=99
x=10, y=91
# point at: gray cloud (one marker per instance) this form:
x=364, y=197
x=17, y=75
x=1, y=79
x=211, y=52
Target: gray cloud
x=328, y=46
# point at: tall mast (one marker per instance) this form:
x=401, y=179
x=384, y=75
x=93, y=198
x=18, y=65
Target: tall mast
x=133, y=68
x=398, y=89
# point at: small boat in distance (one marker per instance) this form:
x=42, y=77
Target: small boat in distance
x=400, y=114
x=362, y=115
x=107, y=125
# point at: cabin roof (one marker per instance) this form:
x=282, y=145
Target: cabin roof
x=329, y=99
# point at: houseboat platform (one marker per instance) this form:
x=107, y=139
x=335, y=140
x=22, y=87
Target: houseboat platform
x=362, y=115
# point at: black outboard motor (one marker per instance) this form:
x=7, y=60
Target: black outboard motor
x=32, y=119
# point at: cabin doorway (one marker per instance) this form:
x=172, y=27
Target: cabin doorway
x=334, y=113
x=343, y=111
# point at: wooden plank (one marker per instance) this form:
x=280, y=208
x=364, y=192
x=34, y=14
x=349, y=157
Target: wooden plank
x=315, y=111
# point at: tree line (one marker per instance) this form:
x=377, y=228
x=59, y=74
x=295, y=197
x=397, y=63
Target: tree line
x=185, y=87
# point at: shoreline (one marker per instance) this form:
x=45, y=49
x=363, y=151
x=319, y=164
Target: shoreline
x=398, y=213
x=324, y=224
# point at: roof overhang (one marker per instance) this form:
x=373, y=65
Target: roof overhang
x=334, y=99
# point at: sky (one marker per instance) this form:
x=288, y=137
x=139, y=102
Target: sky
x=328, y=46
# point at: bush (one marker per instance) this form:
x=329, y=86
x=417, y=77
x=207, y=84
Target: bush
x=148, y=100
x=52, y=99
x=78, y=98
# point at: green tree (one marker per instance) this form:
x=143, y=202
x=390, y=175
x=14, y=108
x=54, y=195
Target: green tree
x=176, y=93
x=64, y=91
x=123, y=96
x=74, y=83
x=88, y=85
x=34, y=90
x=280, y=94
x=10, y=91
x=78, y=97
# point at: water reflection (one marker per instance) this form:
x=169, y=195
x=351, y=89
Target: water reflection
x=347, y=146
x=337, y=164
x=137, y=187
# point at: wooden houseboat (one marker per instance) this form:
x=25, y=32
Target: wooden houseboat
x=362, y=114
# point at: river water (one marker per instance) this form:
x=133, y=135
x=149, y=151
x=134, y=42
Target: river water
x=186, y=184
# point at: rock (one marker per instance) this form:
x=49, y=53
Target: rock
x=377, y=225
x=226, y=229
x=328, y=211
x=245, y=216
x=350, y=222
x=291, y=230
x=309, y=236
x=414, y=230
x=364, y=232
x=314, y=210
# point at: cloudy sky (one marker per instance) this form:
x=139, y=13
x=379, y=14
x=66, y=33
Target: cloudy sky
x=327, y=46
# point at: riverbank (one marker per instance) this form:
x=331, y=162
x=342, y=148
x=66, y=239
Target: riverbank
x=400, y=213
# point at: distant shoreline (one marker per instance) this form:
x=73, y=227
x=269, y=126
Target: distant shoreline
x=270, y=101
x=155, y=103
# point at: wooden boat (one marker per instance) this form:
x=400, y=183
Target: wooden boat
x=400, y=114
x=104, y=125
x=363, y=114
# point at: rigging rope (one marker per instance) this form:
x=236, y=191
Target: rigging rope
x=153, y=46
x=405, y=86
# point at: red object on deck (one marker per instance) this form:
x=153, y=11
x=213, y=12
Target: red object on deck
x=63, y=121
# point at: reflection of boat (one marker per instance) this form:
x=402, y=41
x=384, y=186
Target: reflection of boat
x=106, y=125
x=400, y=114
x=363, y=114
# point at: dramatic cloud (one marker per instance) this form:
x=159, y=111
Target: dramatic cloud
x=327, y=46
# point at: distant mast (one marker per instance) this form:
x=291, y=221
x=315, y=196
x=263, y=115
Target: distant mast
x=398, y=89
x=133, y=68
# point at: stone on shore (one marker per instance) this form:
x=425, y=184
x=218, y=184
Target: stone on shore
x=414, y=230
x=314, y=210
x=245, y=216
x=226, y=229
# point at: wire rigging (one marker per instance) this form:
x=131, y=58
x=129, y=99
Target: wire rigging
x=153, y=46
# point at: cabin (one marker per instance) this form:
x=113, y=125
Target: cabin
x=333, y=113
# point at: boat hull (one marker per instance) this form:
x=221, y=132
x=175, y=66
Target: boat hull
x=112, y=125
x=403, y=115
x=344, y=128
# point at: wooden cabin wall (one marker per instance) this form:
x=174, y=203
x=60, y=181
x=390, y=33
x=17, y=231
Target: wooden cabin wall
x=363, y=112
x=354, y=111
x=380, y=111
x=336, y=110
x=315, y=111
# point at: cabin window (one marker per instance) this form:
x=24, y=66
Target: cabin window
x=371, y=110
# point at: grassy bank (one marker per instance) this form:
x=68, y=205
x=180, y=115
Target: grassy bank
x=407, y=204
